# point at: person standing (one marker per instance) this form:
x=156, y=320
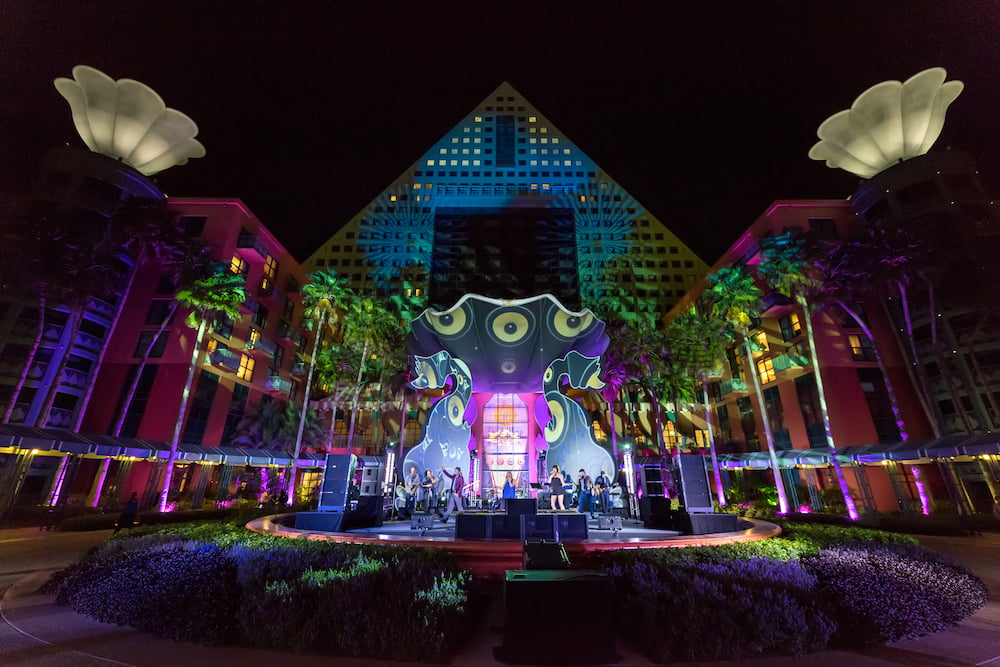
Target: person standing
x=457, y=492
x=129, y=512
x=602, y=488
x=509, y=491
x=556, y=485
x=428, y=491
x=412, y=486
x=586, y=484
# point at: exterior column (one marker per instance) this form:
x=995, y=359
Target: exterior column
x=94, y=497
x=892, y=468
x=204, y=472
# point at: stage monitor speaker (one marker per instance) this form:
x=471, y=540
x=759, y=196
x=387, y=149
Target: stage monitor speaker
x=370, y=488
x=421, y=522
x=472, y=526
x=608, y=522
x=519, y=506
x=544, y=555
x=331, y=522
x=538, y=527
x=695, y=494
x=581, y=632
x=571, y=527
x=337, y=472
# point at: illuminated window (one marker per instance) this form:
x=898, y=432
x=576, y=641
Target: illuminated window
x=443, y=151
x=245, y=371
x=861, y=348
x=543, y=130
x=479, y=119
x=790, y=325
x=765, y=371
x=532, y=119
x=430, y=163
x=759, y=338
x=238, y=265
x=555, y=140
x=271, y=267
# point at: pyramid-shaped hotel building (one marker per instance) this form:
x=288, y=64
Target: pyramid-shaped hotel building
x=505, y=205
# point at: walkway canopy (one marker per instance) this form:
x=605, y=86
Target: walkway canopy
x=57, y=442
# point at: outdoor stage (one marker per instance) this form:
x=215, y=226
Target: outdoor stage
x=490, y=558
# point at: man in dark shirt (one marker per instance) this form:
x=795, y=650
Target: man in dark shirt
x=457, y=492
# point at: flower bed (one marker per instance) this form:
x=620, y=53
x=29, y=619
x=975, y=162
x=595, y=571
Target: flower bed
x=816, y=587
x=218, y=583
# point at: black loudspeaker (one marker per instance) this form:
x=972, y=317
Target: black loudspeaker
x=695, y=494
x=538, y=527
x=331, y=522
x=651, y=480
x=337, y=473
x=472, y=526
x=544, y=555
x=655, y=512
x=366, y=514
x=571, y=527
x=704, y=524
x=605, y=522
x=579, y=632
x=519, y=506
x=421, y=522
x=504, y=527
x=370, y=474
x=369, y=488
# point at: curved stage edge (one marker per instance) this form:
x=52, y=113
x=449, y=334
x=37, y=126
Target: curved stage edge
x=490, y=558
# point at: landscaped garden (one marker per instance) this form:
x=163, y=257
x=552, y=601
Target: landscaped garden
x=816, y=587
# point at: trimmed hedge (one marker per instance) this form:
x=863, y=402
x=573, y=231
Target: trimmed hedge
x=816, y=586
x=216, y=583
x=88, y=522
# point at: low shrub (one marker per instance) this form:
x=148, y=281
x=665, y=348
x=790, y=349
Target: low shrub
x=185, y=591
x=107, y=521
x=213, y=582
x=818, y=535
x=884, y=592
x=710, y=610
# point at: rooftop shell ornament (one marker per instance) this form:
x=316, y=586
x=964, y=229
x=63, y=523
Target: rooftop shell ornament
x=888, y=123
x=128, y=121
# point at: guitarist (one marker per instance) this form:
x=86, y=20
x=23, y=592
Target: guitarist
x=412, y=485
x=602, y=489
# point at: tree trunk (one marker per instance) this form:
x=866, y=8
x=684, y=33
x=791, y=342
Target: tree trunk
x=766, y=421
x=923, y=386
x=305, y=409
x=719, y=489
x=614, y=435
x=138, y=373
x=104, y=346
x=661, y=446
x=75, y=317
x=181, y=414
x=893, y=401
x=852, y=510
x=27, y=364
x=354, y=402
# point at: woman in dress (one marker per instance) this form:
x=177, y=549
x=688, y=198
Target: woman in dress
x=509, y=489
x=558, y=490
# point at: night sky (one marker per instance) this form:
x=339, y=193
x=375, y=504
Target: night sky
x=703, y=111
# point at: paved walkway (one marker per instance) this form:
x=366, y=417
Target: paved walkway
x=35, y=632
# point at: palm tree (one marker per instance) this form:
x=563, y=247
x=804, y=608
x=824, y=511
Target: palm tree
x=325, y=298
x=701, y=341
x=210, y=299
x=375, y=329
x=784, y=267
x=841, y=287
x=144, y=231
x=733, y=295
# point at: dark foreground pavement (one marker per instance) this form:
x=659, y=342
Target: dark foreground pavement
x=35, y=632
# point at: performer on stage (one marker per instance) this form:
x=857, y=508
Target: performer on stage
x=456, y=494
x=412, y=486
x=509, y=489
x=428, y=491
x=556, y=483
x=586, y=484
x=602, y=489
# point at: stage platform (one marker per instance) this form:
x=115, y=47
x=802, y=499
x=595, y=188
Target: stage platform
x=490, y=558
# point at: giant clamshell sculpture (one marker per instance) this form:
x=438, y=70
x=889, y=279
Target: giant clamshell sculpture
x=888, y=123
x=128, y=121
